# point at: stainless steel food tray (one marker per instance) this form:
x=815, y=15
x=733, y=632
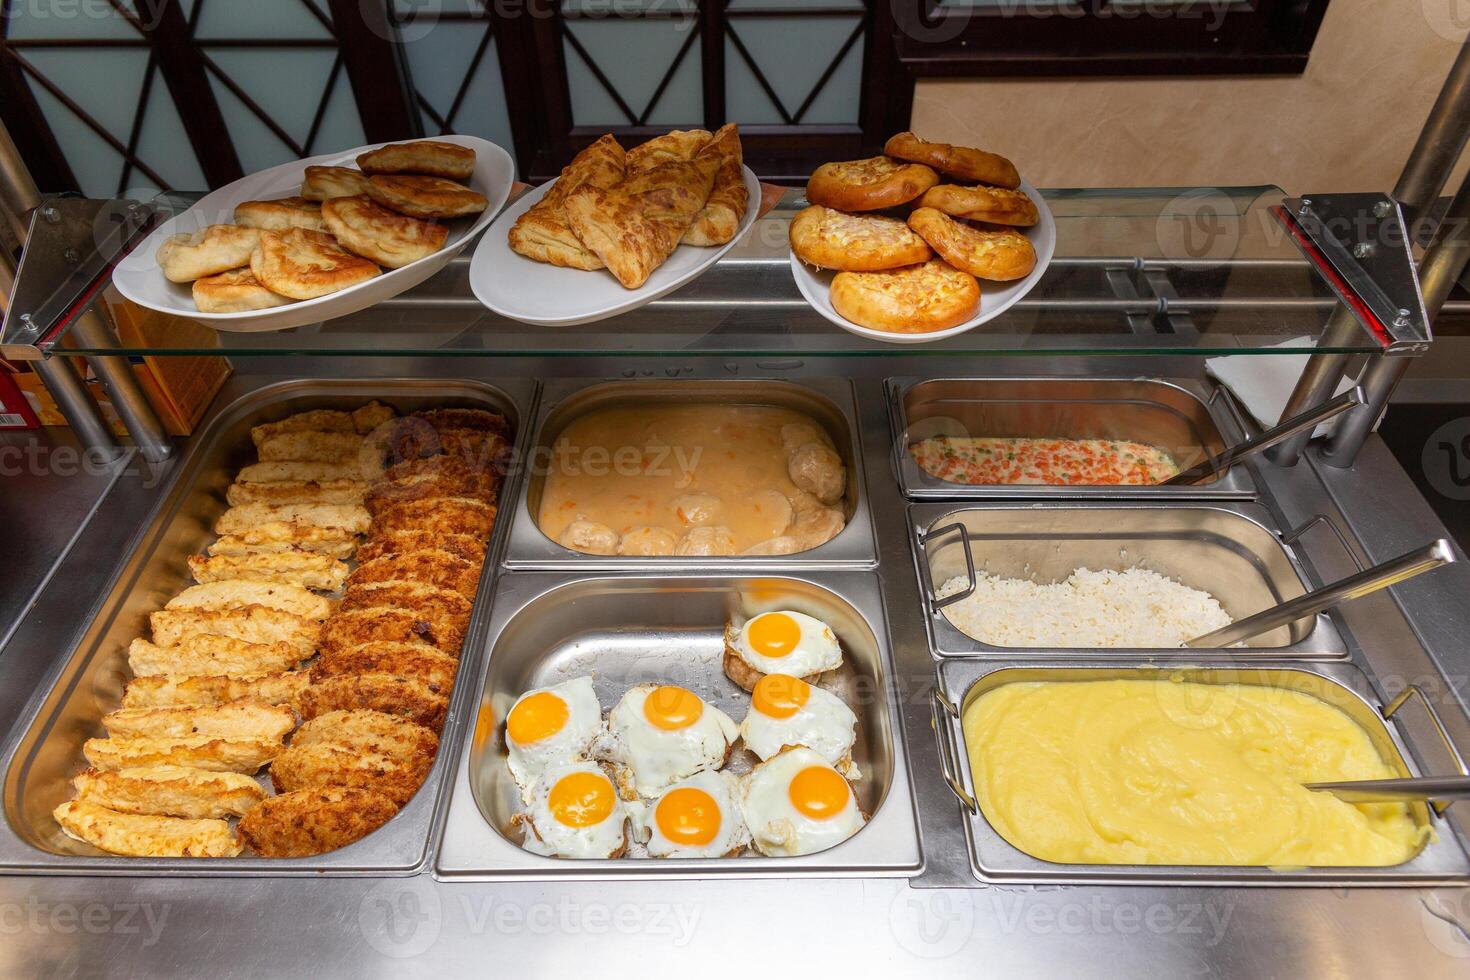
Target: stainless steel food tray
x=1226, y=548
x=830, y=402
x=627, y=630
x=994, y=860
x=1178, y=415
x=43, y=750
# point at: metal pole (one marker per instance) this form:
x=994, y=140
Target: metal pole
x=1440, y=142
x=91, y=331
x=1318, y=382
x=19, y=195
x=1441, y=266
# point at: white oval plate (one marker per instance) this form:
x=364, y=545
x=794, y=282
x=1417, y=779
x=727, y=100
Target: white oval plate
x=551, y=296
x=138, y=277
x=995, y=298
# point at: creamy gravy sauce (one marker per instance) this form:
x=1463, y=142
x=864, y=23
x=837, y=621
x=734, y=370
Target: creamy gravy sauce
x=673, y=467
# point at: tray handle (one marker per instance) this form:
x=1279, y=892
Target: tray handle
x=1296, y=533
x=1390, y=709
x=935, y=603
x=942, y=710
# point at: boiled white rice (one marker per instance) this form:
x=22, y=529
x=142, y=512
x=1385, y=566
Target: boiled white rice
x=1130, y=608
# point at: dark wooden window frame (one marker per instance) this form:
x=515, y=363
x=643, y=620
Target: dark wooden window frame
x=1107, y=37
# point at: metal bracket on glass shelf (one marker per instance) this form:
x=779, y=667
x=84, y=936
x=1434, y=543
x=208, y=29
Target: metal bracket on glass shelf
x=70, y=250
x=1360, y=246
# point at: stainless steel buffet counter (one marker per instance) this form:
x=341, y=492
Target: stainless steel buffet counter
x=464, y=913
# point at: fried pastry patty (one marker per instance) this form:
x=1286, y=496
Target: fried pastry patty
x=1001, y=255
x=287, y=536
x=309, y=569
x=993, y=204
x=171, y=791
x=145, y=836
x=245, y=755
x=325, y=183
x=435, y=158
x=207, y=252
x=248, y=517
x=305, y=264
x=235, y=593
x=964, y=162
x=388, y=238
x=313, y=821
x=297, y=492
x=915, y=299
x=185, y=629
x=677, y=144
x=312, y=446
x=425, y=197
x=172, y=690
x=281, y=214
x=235, y=291
x=868, y=185
x=236, y=719
x=832, y=239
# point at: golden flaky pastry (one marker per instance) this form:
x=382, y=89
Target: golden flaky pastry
x=915, y=299
x=424, y=197
x=993, y=204
x=305, y=264
x=1001, y=254
x=323, y=183
x=854, y=242
x=868, y=185
x=374, y=232
x=679, y=144
x=206, y=252
x=636, y=225
x=434, y=158
x=964, y=162
x=542, y=233
x=719, y=219
x=280, y=214
x=236, y=291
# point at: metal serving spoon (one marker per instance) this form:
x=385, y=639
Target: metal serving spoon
x=1397, y=790
x=1280, y=432
x=1391, y=572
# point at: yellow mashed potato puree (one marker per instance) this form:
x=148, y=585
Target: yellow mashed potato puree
x=1178, y=772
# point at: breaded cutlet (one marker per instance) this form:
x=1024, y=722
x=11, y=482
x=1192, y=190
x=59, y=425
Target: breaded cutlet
x=172, y=690
x=392, y=625
x=404, y=697
x=277, y=536
x=370, y=731
x=132, y=835
x=308, y=569
x=430, y=566
x=341, y=492
x=436, y=516
x=207, y=654
x=170, y=791
x=407, y=660
x=398, y=542
x=244, y=719
x=245, y=755
x=349, y=517
x=313, y=821
x=239, y=593
x=312, y=766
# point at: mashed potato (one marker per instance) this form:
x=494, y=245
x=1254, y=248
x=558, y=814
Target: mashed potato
x=1165, y=772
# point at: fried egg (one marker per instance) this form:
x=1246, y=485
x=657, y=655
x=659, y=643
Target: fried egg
x=695, y=818
x=575, y=812
x=787, y=711
x=790, y=643
x=551, y=726
x=659, y=734
x=797, y=804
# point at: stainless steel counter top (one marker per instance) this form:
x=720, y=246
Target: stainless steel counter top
x=858, y=926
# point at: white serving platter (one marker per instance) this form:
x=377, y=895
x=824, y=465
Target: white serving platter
x=139, y=279
x=995, y=297
x=547, y=295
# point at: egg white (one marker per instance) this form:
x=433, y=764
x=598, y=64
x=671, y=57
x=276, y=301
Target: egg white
x=732, y=834
x=777, y=827
x=825, y=724
x=816, y=651
x=584, y=723
x=653, y=758
x=550, y=837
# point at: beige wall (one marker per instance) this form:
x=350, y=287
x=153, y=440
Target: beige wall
x=1347, y=123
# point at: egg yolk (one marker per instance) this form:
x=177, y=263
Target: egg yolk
x=819, y=792
x=774, y=634
x=581, y=799
x=671, y=708
x=779, y=696
x=535, y=717
x=688, y=816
